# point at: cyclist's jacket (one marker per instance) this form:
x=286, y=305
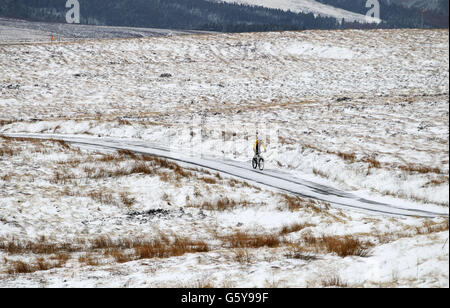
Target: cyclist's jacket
x=257, y=146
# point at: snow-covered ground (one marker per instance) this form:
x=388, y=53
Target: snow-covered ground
x=73, y=217
x=23, y=31
x=362, y=111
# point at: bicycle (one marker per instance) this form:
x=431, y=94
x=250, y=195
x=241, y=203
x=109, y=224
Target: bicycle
x=258, y=162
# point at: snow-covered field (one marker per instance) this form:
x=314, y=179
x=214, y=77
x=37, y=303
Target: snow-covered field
x=23, y=31
x=362, y=111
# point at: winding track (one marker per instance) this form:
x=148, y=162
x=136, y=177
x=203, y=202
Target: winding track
x=270, y=178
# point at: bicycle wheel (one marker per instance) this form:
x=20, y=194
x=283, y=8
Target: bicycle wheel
x=255, y=163
x=261, y=164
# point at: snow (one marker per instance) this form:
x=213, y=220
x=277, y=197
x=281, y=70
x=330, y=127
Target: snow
x=380, y=95
x=310, y=6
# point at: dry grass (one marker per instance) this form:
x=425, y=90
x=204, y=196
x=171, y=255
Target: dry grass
x=39, y=264
x=140, y=164
x=6, y=122
x=438, y=181
x=6, y=150
x=414, y=168
x=426, y=228
x=119, y=256
x=342, y=246
x=127, y=200
x=41, y=247
x=373, y=163
x=61, y=143
x=242, y=256
x=20, y=267
x=61, y=258
x=247, y=240
x=295, y=203
x=349, y=157
x=295, y=228
x=103, y=197
x=295, y=251
x=208, y=180
x=334, y=282
x=88, y=259
x=223, y=204
x=162, y=249
x=320, y=173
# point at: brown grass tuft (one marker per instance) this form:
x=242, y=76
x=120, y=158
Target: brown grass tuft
x=119, y=256
x=242, y=256
x=296, y=203
x=341, y=246
x=88, y=259
x=411, y=168
x=373, y=163
x=6, y=151
x=350, y=157
x=221, y=205
x=40, y=264
x=294, y=228
x=334, y=282
x=19, y=267
x=162, y=249
x=62, y=143
x=246, y=240
x=40, y=247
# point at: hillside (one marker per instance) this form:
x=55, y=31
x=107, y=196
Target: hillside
x=169, y=14
x=364, y=113
x=309, y=6
x=402, y=13
x=228, y=15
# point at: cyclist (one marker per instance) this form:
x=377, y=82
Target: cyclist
x=257, y=146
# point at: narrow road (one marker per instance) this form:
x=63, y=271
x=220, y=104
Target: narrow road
x=271, y=178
